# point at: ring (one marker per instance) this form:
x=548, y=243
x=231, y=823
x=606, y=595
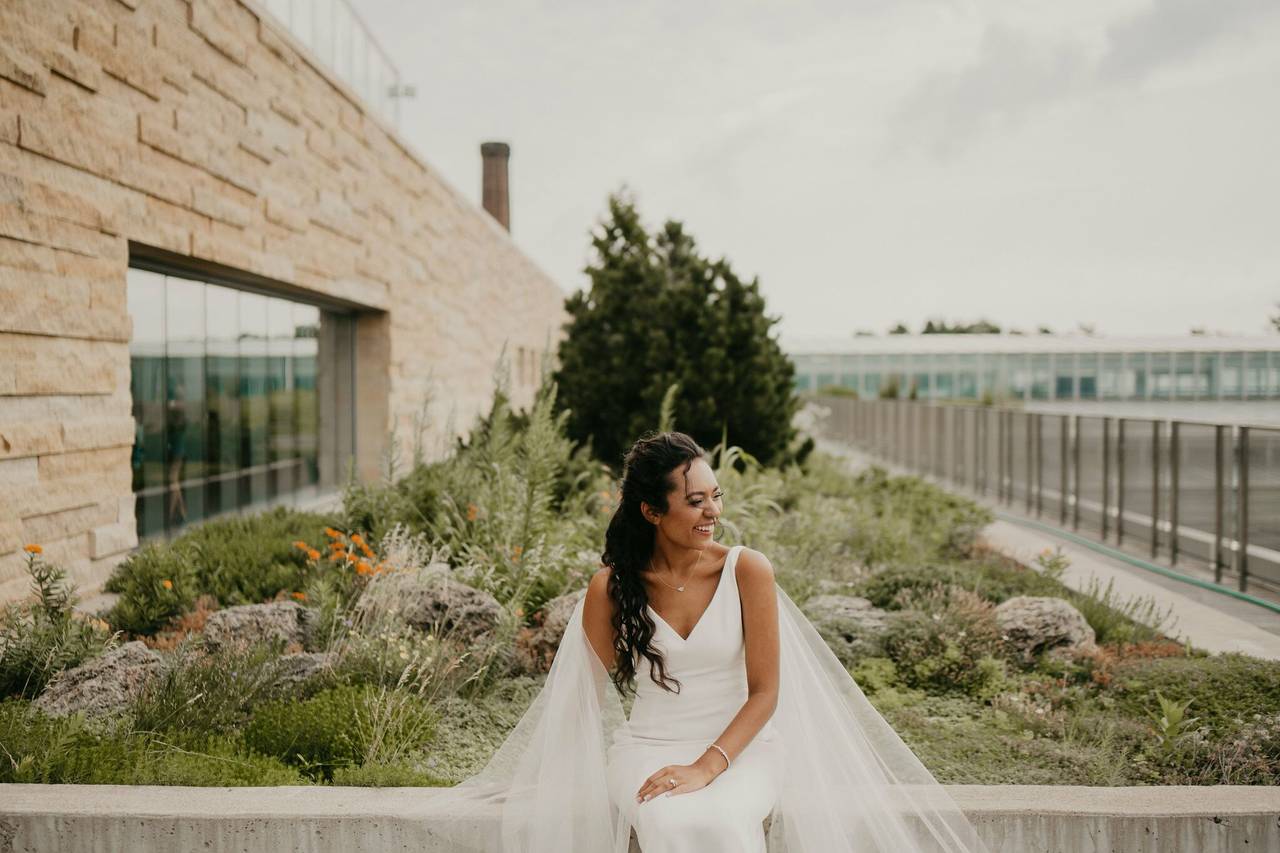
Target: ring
x=671, y=781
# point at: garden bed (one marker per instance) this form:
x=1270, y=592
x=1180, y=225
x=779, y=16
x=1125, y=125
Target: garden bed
x=396, y=641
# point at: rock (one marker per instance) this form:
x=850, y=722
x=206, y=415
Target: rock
x=102, y=685
x=537, y=646
x=292, y=670
x=1033, y=624
x=432, y=600
x=249, y=624
x=852, y=626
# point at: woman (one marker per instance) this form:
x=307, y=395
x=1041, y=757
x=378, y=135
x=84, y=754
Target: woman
x=741, y=713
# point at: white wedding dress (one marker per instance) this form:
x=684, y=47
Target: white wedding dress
x=725, y=816
x=833, y=775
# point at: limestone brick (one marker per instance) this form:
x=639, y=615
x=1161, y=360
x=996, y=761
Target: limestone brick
x=20, y=439
x=16, y=472
x=112, y=539
x=47, y=365
x=206, y=21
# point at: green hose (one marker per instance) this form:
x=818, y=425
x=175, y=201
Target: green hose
x=1136, y=561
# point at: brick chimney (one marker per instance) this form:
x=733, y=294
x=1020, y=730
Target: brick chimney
x=494, y=187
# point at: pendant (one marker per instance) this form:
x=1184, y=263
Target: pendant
x=679, y=589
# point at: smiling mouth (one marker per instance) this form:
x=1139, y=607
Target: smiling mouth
x=707, y=528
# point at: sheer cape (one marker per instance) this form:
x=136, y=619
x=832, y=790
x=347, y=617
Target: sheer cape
x=849, y=783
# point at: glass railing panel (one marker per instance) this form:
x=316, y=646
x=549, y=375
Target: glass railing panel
x=1262, y=460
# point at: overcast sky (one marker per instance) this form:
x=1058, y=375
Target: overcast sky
x=1039, y=162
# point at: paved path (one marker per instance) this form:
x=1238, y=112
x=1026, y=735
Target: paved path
x=1210, y=620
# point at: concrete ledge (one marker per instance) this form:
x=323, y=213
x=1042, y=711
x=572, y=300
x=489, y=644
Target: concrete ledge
x=1012, y=819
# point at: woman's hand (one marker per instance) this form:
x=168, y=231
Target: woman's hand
x=689, y=777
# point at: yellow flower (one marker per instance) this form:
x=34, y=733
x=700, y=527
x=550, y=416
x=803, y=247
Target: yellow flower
x=33, y=549
x=168, y=584
x=519, y=611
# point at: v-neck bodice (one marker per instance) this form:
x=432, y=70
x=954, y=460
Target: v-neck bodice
x=663, y=623
x=710, y=665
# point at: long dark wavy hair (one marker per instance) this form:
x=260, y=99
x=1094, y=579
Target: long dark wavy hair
x=649, y=472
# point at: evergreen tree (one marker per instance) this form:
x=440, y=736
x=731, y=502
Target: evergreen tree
x=658, y=313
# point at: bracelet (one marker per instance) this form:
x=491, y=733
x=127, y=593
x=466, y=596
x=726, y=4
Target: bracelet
x=727, y=762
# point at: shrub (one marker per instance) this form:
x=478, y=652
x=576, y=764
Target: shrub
x=70, y=750
x=1137, y=620
x=200, y=692
x=1227, y=688
x=43, y=635
x=335, y=728
x=238, y=560
x=950, y=645
x=156, y=583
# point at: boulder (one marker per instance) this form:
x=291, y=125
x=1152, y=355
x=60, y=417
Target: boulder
x=249, y=624
x=103, y=685
x=432, y=600
x=852, y=626
x=1034, y=624
x=292, y=670
x=537, y=646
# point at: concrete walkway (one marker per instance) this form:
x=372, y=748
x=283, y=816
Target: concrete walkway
x=1209, y=620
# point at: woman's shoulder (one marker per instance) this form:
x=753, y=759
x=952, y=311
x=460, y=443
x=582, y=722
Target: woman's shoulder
x=753, y=568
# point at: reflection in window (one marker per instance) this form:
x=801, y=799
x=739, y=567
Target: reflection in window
x=234, y=398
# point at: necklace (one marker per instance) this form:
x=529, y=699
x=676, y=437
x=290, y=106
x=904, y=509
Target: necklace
x=686, y=580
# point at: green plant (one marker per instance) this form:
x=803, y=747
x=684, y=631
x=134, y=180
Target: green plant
x=332, y=729
x=199, y=692
x=238, y=560
x=43, y=635
x=944, y=644
x=1136, y=620
x=1171, y=723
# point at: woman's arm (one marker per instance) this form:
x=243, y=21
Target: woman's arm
x=597, y=610
x=760, y=635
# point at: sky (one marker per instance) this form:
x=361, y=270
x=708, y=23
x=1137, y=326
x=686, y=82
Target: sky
x=1114, y=163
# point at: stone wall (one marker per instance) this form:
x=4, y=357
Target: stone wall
x=324, y=818
x=204, y=130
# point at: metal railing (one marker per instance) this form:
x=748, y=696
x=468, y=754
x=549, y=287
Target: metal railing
x=1192, y=492
x=339, y=38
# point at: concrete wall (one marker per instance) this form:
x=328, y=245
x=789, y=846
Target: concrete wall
x=202, y=129
x=1011, y=819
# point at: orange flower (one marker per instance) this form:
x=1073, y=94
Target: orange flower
x=301, y=546
x=519, y=611
x=313, y=554
x=363, y=568
x=473, y=512
x=301, y=596
x=380, y=568
x=33, y=549
x=332, y=534
x=168, y=584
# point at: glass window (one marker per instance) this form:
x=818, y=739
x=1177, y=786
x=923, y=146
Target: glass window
x=233, y=404
x=1064, y=376
x=1039, y=375
x=1087, y=374
x=1232, y=374
x=1161, y=366
x=1113, y=381
x=1255, y=375
x=1184, y=376
x=1136, y=365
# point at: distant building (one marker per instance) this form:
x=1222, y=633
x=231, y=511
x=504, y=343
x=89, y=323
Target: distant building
x=224, y=279
x=1044, y=367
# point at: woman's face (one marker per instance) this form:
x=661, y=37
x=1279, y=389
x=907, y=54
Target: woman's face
x=693, y=506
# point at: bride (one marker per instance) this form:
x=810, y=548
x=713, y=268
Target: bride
x=746, y=734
